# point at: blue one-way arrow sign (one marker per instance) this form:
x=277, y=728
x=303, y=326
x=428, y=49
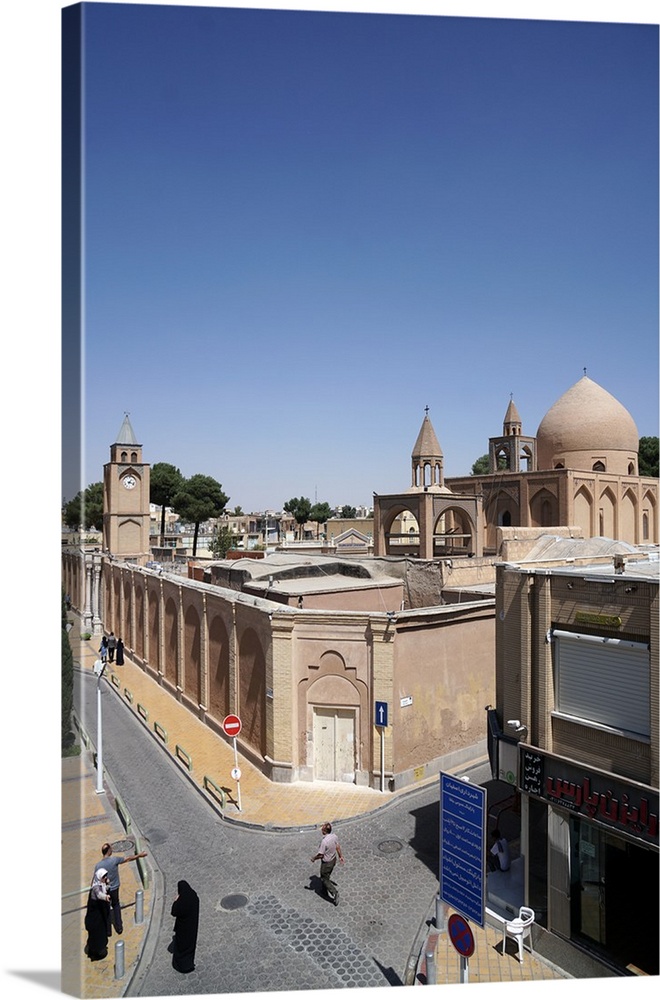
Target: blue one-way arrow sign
x=381, y=713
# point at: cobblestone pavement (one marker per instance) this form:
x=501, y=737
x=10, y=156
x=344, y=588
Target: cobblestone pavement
x=264, y=924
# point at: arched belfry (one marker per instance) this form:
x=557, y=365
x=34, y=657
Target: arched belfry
x=427, y=457
x=428, y=520
x=126, y=513
x=511, y=451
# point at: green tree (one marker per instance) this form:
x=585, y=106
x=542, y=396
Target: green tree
x=67, y=679
x=199, y=499
x=320, y=513
x=648, y=456
x=481, y=466
x=86, y=509
x=300, y=509
x=348, y=512
x=223, y=540
x=165, y=481
x=238, y=511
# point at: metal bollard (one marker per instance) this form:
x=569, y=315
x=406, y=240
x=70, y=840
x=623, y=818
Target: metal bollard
x=440, y=914
x=430, y=967
x=119, y=960
x=139, y=906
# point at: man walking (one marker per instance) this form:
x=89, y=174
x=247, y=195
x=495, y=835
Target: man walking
x=111, y=863
x=328, y=852
x=112, y=645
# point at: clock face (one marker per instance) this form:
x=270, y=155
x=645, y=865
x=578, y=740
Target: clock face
x=129, y=482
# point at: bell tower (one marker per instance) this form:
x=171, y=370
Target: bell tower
x=126, y=499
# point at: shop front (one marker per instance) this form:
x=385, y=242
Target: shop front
x=601, y=858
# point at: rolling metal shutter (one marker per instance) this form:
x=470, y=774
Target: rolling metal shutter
x=603, y=680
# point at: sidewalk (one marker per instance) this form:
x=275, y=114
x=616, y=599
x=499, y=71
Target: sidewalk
x=88, y=820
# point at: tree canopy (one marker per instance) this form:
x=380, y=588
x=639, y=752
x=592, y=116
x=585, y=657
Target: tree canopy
x=348, y=512
x=165, y=481
x=199, y=499
x=86, y=509
x=223, y=540
x=320, y=513
x=481, y=466
x=300, y=508
x=648, y=456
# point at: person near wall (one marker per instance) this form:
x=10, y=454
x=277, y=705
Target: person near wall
x=112, y=645
x=185, y=910
x=119, y=658
x=110, y=863
x=97, y=917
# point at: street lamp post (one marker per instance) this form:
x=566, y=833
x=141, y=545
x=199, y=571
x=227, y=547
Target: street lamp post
x=99, y=668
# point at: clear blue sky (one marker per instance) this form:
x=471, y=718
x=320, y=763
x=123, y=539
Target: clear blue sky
x=303, y=227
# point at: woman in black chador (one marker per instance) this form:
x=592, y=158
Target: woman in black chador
x=119, y=657
x=185, y=910
x=97, y=917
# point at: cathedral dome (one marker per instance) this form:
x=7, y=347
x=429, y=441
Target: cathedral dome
x=588, y=429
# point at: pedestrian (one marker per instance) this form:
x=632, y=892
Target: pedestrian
x=119, y=660
x=185, y=910
x=103, y=650
x=112, y=645
x=500, y=859
x=97, y=917
x=111, y=863
x=328, y=852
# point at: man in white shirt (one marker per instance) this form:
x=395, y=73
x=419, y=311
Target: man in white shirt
x=500, y=858
x=328, y=852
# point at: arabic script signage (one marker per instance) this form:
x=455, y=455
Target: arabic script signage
x=462, y=846
x=625, y=806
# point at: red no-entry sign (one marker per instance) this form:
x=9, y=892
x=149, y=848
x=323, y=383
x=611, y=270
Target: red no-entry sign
x=232, y=725
x=460, y=935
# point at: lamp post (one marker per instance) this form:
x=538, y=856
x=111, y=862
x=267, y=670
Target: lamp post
x=99, y=669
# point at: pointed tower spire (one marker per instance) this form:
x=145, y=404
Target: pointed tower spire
x=427, y=457
x=126, y=434
x=512, y=426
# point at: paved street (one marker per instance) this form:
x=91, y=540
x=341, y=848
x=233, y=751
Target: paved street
x=264, y=924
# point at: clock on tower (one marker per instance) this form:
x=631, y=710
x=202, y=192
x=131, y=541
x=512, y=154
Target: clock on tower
x=126, y=499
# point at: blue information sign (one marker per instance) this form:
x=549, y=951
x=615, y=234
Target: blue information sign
x=463, y=847
x=381, y=713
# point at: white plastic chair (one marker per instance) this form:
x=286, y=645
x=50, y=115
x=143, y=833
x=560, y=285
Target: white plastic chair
x=520, y=928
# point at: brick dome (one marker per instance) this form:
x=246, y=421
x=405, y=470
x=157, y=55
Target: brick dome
x=588, y=429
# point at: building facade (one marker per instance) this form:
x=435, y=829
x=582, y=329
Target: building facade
x=576, y=723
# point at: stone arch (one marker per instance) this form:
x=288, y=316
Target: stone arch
x=583, y=508
x=544, y=509
x=607, y=514
x=628, y=520
x=125, y=630
x=138, y=643
x=154, y=629
x=397, y=524
x=649, y=512
x=454, y=532
x=171, y=647
x=335, y=696
x=218, y=668
x=502, y=510
x=252, y=690
x=192, y=658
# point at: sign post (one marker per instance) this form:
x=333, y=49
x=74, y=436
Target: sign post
x=381, y=723
x=462, y=938
x=232, y=726
x=463, y=847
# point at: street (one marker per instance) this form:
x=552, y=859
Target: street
x=264, y=924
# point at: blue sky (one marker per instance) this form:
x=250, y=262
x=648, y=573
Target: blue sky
x=303, y=227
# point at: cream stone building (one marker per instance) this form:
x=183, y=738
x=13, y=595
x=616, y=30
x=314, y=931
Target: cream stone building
x=580, y=469
x=575, y=730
